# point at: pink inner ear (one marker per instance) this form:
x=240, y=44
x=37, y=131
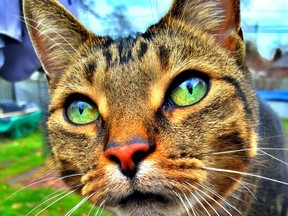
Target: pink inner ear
x=231, y=13
x=230, y=28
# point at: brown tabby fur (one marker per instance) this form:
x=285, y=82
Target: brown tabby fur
x=128, y=80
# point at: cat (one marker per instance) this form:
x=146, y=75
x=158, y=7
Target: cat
x=167, y=123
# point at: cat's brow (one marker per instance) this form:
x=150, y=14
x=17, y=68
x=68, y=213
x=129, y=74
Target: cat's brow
x=164, y=56
x=143, y=48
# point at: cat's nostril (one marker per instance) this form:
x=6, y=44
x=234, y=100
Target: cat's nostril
x=114, y=158
x=139, y=156
x=128, y=156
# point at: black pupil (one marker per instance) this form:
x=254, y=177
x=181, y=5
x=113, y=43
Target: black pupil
x=190, y=87
x=80, y=107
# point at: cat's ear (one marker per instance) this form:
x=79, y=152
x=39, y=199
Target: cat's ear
x=221, y=18
x=55, y=34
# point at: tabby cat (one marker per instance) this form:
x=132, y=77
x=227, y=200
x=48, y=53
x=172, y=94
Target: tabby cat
x=167, y=123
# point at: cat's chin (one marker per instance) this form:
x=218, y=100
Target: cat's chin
x=139, y=198
x=146, y=206
x=155, y=210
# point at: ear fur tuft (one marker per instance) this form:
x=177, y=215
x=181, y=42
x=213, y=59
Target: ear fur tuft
x=220, y=18
x=55, y=33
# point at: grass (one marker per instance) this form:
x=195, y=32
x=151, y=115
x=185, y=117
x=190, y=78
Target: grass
x=285, y=125
x=24, y=201
x=19, y=156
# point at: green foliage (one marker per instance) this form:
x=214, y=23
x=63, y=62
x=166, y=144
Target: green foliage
x=19, y=156
x=26, y=200
x=285, y=124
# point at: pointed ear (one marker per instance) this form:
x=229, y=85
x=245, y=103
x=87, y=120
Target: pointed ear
x=55, y=34
x=230, y=33
x=221, y=18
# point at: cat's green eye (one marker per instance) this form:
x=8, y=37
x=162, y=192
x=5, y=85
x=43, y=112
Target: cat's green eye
x=189, y=92
x=81, y=112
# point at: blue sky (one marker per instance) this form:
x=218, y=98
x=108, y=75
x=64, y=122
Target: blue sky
x=270, y=16
x=272, y=19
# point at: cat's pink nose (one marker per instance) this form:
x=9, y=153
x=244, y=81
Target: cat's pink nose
x=127, y=156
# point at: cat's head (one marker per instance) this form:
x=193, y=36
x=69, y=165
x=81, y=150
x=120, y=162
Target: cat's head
x=146, y=125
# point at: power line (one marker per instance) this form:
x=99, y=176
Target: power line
x=265, y=12
x=268, y=31
x=265, y=29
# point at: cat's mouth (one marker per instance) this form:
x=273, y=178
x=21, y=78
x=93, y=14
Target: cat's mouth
x=141, y=198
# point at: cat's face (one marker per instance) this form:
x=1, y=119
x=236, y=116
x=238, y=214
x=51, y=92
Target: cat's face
x=140, y=124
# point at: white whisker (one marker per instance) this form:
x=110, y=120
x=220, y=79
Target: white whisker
x=55, y=201
x=47, y=200
x=101, y=212
x=190, y=204
x=182, y=201
x=36, y=182
x=268, y=137
x=63, y=188
x=198, y=201
x=207, y=202
x=27, y=186
x=91, y=209
x=47, y=173
x=202, y=197
x=206, y=194
x=275, y=158
x=79, y=204
x=67, y=176
x=241, y=182
x=220, y=197
x=244, y=173
x=100, y=207
x=274, y=149
x=60, y=189
x=245, y=149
